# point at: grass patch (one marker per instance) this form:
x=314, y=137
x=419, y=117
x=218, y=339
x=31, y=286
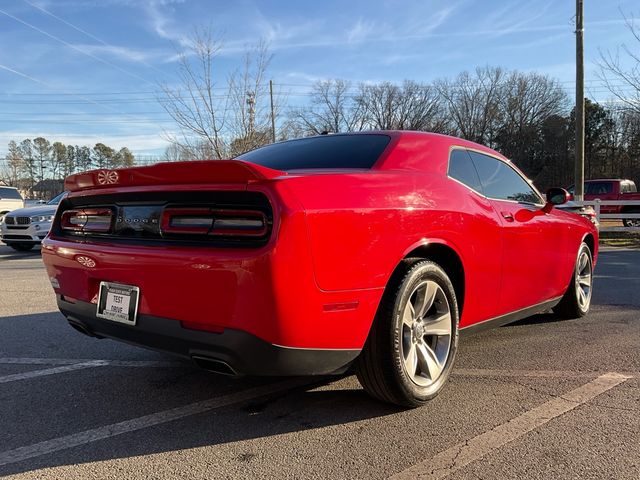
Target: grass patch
x=620, y=239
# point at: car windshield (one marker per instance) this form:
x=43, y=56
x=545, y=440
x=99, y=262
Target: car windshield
x=325, y=151
x=56, y=200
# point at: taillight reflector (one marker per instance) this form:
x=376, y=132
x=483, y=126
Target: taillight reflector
x=216, y=222
x=98, y=220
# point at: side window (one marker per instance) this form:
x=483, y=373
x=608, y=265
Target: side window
x=11, y=193
x=628, y=187
x=461, y=168
x=599, y=188
x=500, y=181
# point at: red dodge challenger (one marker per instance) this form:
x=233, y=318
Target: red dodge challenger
x=309, y=256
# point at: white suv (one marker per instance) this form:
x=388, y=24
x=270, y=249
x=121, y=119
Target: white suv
x=10, y=199
x=25, y=228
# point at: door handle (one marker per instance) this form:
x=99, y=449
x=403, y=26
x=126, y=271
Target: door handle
x=508, y=216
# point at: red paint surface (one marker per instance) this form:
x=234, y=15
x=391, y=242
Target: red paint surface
x=337, y=237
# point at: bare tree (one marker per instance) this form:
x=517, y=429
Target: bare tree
x=473, y=103
x=527, y=100
x=250, y=119
x=620, y=70
x=332, y=109
x=412, y=106
x=42, y=154
x=14, y=164
x=58, y=158
x=213, y=114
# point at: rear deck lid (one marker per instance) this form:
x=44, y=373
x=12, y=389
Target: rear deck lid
x=193, y=172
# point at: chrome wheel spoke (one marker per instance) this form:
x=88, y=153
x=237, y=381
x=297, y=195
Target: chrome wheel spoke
x=424, y=297
x=411, y=360
x=585, y=280
x=408, y=316
x=582, y=263
x=428, y=362
x=438, y=325
x=582, y=297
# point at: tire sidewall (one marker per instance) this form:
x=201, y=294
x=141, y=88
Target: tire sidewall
x=422, y=271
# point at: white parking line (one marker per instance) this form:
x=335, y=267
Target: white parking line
x=113, y=363
x=101, y=433
x=50, y=371
x=462, y=454
x=461, y=372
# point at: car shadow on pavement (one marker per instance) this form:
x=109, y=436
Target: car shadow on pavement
x=547, y=317
x=68, y=403
x=7, y=253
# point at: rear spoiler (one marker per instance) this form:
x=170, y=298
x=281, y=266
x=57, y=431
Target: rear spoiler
x=193, y=172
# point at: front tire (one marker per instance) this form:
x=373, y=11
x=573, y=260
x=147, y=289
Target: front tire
x=411, y=347
x=577, y=299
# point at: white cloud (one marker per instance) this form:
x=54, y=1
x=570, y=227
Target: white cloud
x=361, y=31
x=126, y=53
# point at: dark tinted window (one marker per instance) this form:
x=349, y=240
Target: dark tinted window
x=598, y=188
x=502, y=182
x=327, y=151
x=461, y=168
x=11, y=193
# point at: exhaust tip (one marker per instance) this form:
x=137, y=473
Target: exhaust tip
x=214, y=365
x=82, y=329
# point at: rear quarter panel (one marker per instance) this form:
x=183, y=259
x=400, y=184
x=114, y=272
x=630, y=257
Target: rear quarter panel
x=361, y=225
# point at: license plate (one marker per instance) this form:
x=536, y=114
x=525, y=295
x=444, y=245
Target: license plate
x=118, y=302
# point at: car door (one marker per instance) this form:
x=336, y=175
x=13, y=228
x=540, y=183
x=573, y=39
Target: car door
x=483, y=241
x=534, y=242
x=604, y=190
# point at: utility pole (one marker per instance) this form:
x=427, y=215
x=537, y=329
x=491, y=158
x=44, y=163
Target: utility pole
x=579, y=160
x=273, y=115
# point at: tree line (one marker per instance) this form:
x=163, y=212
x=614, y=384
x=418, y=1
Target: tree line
x=33, y=161
x=526, y=116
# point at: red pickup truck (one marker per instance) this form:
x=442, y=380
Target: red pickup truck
x=606, y=189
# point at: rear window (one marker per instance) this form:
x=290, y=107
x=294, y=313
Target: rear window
x=598, y=188
x=11, y=193
x=628, y=187
x=327, y=151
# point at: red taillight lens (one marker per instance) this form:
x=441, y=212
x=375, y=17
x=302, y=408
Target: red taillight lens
x=216, y=222
x=92, y=220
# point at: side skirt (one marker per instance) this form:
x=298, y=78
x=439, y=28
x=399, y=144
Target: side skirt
x=509, y=317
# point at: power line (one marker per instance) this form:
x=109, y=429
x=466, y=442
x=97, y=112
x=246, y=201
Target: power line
x=84, y=32
x=74, y=47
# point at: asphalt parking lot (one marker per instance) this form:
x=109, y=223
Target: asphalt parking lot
x=542, y=398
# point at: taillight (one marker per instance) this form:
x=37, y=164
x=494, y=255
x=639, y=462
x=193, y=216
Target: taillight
x=215, y=222
x=91, y=220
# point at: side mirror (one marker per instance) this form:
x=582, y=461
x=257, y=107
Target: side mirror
x=556, y=196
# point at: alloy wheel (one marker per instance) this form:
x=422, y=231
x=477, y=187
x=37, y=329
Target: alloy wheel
x=584, y=278
x=426, y=333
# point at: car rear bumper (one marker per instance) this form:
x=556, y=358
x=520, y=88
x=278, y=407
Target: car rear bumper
x=232, y=351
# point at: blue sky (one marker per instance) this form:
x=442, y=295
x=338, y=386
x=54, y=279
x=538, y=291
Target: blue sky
x=86, y=71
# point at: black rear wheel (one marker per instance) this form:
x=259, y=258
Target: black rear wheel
x=411, y=347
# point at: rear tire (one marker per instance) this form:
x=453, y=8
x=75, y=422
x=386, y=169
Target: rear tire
x=412, y=344
x=22, y=247
x=577, y=299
